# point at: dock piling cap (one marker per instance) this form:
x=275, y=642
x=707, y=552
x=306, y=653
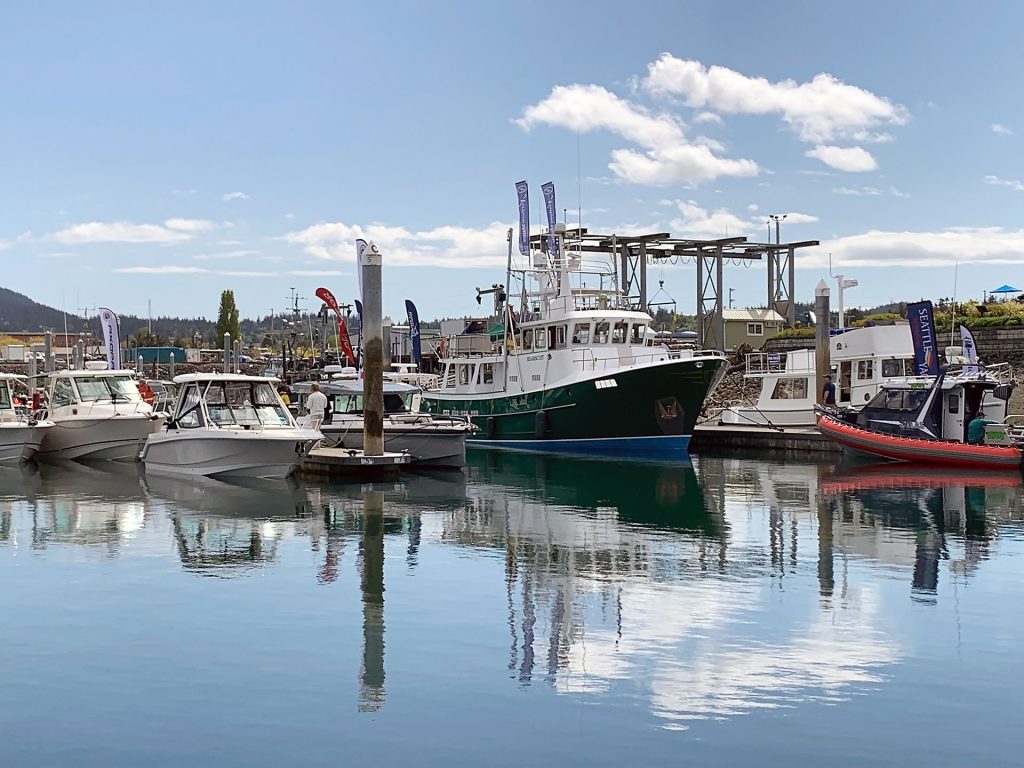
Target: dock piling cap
x=821, y=289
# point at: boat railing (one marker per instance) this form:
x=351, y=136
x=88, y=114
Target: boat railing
x=588, y=361
x=768, y=363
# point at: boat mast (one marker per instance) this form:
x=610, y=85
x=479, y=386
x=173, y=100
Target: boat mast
x=507, y=311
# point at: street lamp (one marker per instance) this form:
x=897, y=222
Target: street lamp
x=777, y=219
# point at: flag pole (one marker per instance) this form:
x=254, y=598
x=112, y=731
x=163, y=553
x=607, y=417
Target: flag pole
x=952, y=317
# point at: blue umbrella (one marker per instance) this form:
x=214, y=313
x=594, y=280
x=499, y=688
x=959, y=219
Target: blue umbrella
x=1006, y=289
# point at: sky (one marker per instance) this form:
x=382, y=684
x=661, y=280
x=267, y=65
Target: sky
x=152, y=155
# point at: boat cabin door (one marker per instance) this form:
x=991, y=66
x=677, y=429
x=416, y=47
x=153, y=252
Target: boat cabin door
x=954, y=425
x=845, y=380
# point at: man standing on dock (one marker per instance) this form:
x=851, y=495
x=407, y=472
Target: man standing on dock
x=828, y=392
x=316, y=404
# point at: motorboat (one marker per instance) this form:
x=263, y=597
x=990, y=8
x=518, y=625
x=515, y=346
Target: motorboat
x=924, y=419
x=97, y=414
x=572, y=364
x=861, y=359
x=21, y=433
x=228, y=425
x=430, y=440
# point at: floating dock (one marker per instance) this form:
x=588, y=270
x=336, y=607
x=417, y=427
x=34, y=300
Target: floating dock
x=344, y=462
x=714, y=438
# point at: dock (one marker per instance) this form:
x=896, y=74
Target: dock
x=714, y=437
x=333, y=462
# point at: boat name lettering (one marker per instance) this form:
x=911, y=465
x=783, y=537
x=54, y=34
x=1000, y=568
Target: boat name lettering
x=530, y=358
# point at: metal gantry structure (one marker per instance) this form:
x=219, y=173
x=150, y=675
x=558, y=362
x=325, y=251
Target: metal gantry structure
x=631, y=254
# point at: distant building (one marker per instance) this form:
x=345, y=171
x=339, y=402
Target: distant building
x=748, y=326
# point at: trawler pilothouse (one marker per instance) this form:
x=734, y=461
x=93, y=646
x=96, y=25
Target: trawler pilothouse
x=573, y=367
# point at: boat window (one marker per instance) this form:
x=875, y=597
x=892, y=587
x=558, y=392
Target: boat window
x=892, y=368
x=865, y=370
x=463, y=374
x=790, y=389
x=239, y=398
x=910, y=366
x=541, y=340
x=5, y=395
x=619, y=332
x=394, y=403
x=216, y=405
x=269, y=409
x=486, y=373
x=953, y=403
x=125, y=387
x=63, y=393
x=581, y=333
x=637, y=334
x=899, y=400
x=601, y=332
x=556, y=337
x=189, y=413
x=528, y=339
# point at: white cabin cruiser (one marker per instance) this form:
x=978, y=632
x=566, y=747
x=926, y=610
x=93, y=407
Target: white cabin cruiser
x=431, y=441
x=861, y=358
x=229, y=425
x=97, y=414
x=21, y=433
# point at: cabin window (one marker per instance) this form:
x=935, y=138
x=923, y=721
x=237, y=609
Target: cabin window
x=910, y=366
x=601, y=332
x=487, y=373
x=528, y=339
x=891, y=368
x=954, y=403
x=541, y=339
x=556, y=337
x=463, y=374
x=5, y=395
x=63, y=393
x=269, y=409
x=865, y=370
x=619, y=332
x=637, y=334
x=790, y=389
x=581, y=333
x=755, y=329
x=190, y=415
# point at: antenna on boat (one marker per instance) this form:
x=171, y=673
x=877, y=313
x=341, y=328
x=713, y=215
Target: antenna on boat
x=952, y=309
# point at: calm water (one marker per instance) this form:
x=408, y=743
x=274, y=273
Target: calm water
x=532, y=612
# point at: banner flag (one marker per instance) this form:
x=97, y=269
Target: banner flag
x=414, y=330
x=523, y=192
x=328, y=298
x=549, y=205
x=343, y=340
x=111, y=338
x=360, y=247
x=922, y=331
x=970, y=350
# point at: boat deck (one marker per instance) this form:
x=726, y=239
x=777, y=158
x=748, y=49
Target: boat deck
x=714, y=437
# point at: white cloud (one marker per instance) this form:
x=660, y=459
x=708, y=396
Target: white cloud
x=229, y=196
x=667, y=156
x=700, y=223
x=289, y=216
x=987, y=245
x=897, y=193
x=446, y=246
x=1013, y=184
x=190, y=225
x=317, y=273
x=753, y=207
x=119, y=232
x=858, y=191
x=4, y=245
x=850, y=159
x=708, y=117
x=225, y=255
x=1001, y=129
x=171, y=269
x=820, y=110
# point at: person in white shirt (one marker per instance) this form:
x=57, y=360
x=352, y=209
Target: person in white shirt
x=316, y=404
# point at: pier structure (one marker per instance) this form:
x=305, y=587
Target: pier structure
x=630, y=256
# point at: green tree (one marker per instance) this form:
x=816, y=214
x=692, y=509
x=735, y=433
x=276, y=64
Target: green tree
x=227, y=318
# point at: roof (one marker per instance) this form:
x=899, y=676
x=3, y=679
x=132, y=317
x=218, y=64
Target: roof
x=185, y=378
x=756, y=315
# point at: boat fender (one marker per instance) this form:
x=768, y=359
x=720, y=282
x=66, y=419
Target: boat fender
x=540, y=424
x=492, y=426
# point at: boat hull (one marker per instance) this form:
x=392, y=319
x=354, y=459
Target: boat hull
x=428, y=445
x=650, y=409
x=227, y=453
x=20, y=442
x=98, y=438
x=885, y=447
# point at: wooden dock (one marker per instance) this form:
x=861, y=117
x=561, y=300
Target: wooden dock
x=716, y=438
x=347, y=463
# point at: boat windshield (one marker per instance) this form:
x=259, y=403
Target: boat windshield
x=354, y=403
x=5, y=395
x=899, y=400
x=93, y=388
x=245, y=404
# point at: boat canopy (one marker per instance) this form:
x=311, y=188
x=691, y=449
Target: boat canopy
x=354, y=387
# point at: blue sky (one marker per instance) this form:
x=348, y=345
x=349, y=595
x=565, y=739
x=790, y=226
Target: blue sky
x=164, y=153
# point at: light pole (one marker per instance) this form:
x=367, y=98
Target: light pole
x=777, y=219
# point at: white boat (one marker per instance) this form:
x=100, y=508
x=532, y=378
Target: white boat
x=862, y=358
x=97, y=414
x=21, y=433
x=228, y=425
x=430, y=441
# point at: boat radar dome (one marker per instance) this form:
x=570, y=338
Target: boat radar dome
x=95, y=365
